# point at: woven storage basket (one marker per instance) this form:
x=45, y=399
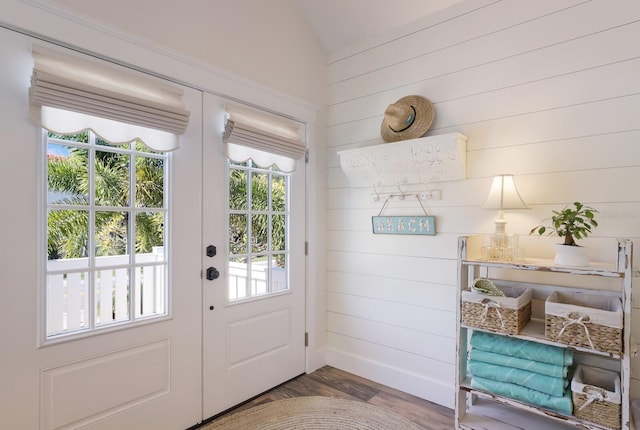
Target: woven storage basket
x=507, y=314
x=596, y=396
x=584, y=320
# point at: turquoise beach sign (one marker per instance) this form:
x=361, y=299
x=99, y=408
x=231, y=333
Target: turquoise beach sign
x=411, y=225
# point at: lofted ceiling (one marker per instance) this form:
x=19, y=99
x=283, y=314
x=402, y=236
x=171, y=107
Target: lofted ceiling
x=342, y=23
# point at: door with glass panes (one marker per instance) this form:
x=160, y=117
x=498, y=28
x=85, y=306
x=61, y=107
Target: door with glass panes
x=100, y=263
x=254, y=278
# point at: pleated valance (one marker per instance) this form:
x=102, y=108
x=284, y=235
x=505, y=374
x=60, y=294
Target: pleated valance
x=268, y=140
x=71, y=93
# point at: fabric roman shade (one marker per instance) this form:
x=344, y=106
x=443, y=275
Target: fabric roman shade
x=266, y=139
x=70, y=93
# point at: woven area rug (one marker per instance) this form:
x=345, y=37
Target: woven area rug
x=314, y=413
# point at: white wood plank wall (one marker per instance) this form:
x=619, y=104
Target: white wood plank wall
x=547, y=90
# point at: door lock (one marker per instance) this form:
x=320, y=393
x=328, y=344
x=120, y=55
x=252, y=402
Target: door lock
x=211, y=251
x=212, y=273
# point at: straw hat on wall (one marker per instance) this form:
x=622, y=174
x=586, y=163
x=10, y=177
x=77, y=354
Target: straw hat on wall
x=408, y=118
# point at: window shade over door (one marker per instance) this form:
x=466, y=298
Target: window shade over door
x=266, y=139
x=72, y=93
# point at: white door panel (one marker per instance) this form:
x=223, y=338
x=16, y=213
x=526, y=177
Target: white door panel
x=146, y=376
x=253, y=345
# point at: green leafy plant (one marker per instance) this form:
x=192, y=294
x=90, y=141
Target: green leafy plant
x=573, y=223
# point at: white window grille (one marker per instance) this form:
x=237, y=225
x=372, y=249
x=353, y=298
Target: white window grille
x=258, y=226
x=106, y=212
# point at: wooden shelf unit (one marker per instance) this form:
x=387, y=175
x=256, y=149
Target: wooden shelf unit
x=476, y=409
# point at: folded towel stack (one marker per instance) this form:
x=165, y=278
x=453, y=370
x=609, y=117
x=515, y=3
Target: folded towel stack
x=531, y=372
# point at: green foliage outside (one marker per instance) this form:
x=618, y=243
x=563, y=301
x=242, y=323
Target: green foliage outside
x=68, y=229
x=68, y=177
x=260, y=193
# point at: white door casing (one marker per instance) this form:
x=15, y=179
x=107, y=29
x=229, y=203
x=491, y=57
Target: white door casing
x=145, y=375
x=250, y=346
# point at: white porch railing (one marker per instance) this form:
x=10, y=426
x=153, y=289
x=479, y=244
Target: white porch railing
x=68, y=291
x=241, y=287
x=67, y=299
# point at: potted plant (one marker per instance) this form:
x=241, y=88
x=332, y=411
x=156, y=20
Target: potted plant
x=572, y=223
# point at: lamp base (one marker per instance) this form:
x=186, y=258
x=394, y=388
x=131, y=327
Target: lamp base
x=503, y=247
x=503, y=240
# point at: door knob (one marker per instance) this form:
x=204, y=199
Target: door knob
x=212, y=273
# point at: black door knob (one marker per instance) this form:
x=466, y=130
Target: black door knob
x=212, y=273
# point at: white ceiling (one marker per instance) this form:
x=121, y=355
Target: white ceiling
x=342, y=23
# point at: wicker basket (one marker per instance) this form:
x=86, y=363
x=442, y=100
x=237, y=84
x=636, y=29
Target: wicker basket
x=508, y=314
x=596, y=396
x=584, y=320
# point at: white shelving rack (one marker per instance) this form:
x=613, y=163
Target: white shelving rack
x=475, y=409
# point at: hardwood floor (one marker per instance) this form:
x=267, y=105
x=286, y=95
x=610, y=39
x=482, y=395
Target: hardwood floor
x=332, y=382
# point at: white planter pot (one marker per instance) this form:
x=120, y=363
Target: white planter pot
x=567, y=255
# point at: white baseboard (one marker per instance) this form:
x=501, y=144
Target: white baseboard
x=434, y=391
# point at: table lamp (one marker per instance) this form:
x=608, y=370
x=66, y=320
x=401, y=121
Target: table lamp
x=503, y=195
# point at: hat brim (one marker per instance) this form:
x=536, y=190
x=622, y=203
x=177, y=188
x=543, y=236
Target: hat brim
x=423, y=120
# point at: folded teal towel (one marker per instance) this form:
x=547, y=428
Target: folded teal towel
x=519, y=363
x=561, y=404
x=535, y=381
x=522, y=348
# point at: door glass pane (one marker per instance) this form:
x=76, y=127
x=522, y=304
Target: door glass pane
x=278, y=193
x=100, y=141
x=278, y=272
x=82, y=137
x=238, y=189
x=67, y=174
x=259, y=232
x=260, y=192
x=67, y=239
x=67, y=302
x=278, y=231
x=238, y=279
x=149, y=290
x=149, y=182
x=258, y=274
x=260, y=268
x=112, y=295
x=149, y=237
x=112, y=179
x=237, y=234
x=112, y=233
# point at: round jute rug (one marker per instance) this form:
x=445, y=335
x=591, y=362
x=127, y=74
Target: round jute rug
x=314, y=413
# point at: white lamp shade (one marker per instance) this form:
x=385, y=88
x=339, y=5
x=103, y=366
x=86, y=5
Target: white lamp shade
x=503, y=194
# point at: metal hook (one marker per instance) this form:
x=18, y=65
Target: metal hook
x=402, y=194
x=377, y=194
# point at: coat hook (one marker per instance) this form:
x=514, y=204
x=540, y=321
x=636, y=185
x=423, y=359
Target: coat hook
x=402, y=194
x=377, y=194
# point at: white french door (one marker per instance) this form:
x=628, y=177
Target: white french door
x=253, y=340
x=146, y=375
x=206, y=355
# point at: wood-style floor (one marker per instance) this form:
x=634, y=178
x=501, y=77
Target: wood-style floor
x=331, y=382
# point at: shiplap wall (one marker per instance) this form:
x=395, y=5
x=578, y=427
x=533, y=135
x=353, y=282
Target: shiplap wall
x=547, y=90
